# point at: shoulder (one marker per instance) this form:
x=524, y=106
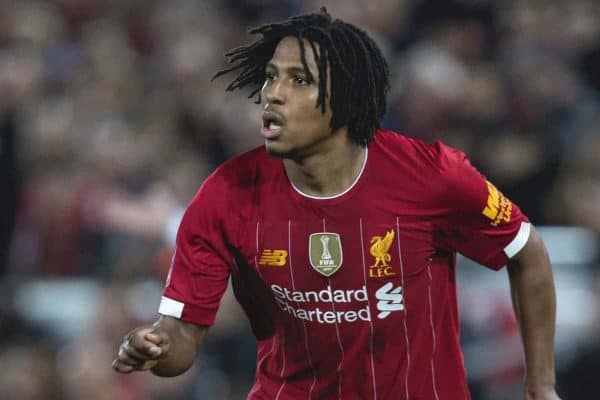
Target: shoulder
x=432, y=174
x=223, y=196
x=241, y=169
x=240, y=173
x=233, y=180
x=426, y=158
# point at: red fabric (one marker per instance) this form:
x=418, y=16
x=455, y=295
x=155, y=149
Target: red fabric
x=389, y=331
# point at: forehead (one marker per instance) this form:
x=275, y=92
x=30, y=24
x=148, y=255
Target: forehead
x=287, y=54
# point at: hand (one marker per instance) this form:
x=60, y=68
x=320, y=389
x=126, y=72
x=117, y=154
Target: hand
x=141, y=350
x=541, y=394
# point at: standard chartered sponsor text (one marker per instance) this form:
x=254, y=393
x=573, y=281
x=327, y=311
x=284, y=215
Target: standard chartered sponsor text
x=293, y=302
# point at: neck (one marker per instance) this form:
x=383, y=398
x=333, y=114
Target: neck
x=329, y=172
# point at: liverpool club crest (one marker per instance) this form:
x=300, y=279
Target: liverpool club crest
x=325, y=252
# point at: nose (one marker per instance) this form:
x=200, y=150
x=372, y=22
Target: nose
x=274, y=93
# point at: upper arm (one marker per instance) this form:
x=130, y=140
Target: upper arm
x=478, y=220
x=201, y=262
x=532, y=255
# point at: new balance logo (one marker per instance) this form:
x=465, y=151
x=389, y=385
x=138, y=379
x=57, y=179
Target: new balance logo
x=389, y=300
x=274, y=258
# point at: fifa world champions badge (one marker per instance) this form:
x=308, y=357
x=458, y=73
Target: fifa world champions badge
x=325, y=252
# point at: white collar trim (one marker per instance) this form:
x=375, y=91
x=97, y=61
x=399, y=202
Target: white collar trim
x=362, y=169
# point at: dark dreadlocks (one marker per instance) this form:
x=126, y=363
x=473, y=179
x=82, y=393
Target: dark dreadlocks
x=359, y=73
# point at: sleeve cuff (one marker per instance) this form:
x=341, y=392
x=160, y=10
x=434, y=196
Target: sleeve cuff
x=186, y=312
x=170, y=307
x=519, y=241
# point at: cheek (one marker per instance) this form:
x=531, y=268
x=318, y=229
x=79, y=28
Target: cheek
x=313, y=116
x=313, y=123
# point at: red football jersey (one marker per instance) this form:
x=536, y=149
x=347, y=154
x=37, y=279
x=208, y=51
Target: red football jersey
x=353, y=296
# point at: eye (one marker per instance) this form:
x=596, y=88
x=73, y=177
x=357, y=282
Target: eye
x=298, y=80
x=269, y=77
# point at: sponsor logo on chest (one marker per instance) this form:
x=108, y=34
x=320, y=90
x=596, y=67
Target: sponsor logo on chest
x=310, y=305
x=390, y=299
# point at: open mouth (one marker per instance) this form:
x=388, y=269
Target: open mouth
x=272, y=124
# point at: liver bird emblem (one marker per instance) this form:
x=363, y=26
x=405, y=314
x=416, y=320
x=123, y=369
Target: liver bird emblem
x=380, y=247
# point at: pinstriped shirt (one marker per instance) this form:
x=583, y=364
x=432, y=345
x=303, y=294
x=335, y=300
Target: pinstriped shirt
x=352, y=296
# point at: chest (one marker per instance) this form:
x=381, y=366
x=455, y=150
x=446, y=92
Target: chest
x=307, y=248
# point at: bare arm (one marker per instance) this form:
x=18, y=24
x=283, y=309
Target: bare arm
x=167, y=348
x=534, y=302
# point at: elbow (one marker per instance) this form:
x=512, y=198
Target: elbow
x=166, y=369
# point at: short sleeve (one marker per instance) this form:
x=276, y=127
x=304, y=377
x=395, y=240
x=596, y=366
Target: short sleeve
x=479, y=221
x=201, y=261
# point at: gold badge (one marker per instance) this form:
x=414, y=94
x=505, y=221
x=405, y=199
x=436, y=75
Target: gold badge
x=380, y=247
x=325, y=252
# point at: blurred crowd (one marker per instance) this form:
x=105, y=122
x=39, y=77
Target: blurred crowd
x=109, y=122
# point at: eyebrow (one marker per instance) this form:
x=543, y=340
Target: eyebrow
x=292, y=69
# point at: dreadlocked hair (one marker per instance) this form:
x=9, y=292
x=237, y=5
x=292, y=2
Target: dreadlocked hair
x=359, y=73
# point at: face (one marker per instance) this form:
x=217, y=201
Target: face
x=293, y=126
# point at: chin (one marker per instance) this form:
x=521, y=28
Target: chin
x=276, y=150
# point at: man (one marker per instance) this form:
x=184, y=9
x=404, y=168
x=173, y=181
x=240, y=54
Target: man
x=340, y=238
